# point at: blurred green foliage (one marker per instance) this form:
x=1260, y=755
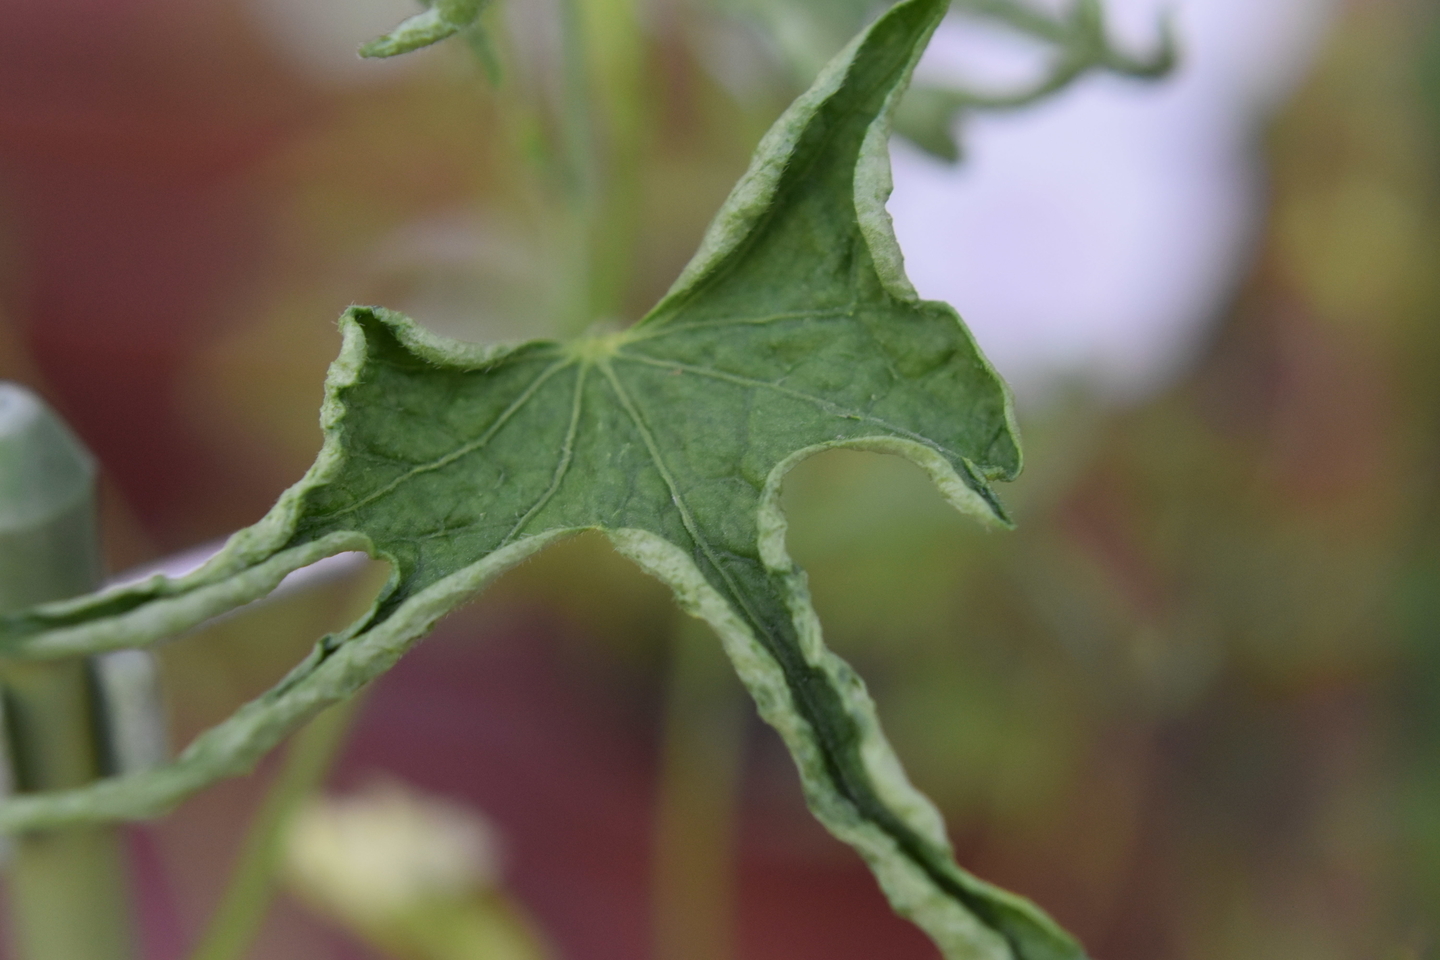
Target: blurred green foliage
x=1075, y=35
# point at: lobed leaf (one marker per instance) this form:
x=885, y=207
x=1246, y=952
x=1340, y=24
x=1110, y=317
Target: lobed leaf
x=793, y=330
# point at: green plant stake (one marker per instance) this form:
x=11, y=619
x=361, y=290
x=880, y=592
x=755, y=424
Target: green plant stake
x=68, y=897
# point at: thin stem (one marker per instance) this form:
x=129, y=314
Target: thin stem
x=1019, y=16
x=246, y=901
x=693, y=880
x=1081, y=45
x=582, y=172
x=603, y=112
x=623, y=100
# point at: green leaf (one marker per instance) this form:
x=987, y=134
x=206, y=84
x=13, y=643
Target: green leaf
x=793, y=330
x=443, y=19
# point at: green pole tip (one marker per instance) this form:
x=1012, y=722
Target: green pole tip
x=44, y=468
x=48, y=546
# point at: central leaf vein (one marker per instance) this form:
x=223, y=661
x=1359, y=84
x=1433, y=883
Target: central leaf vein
x=656, y=332
x=688, y=519
x=567, y=455
x=826, y=405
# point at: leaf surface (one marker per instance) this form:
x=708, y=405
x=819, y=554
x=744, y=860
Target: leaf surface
x=792, y=331
x=439, y=20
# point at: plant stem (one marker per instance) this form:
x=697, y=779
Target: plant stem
x=602, y=115
x=242, y=909
x=67, y=887
x=700, y=765
x=580, y=153
x=621, y=98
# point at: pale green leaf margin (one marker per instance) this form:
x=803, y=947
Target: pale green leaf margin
x=443, y=19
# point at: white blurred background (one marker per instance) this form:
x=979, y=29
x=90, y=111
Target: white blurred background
x=1088, y=239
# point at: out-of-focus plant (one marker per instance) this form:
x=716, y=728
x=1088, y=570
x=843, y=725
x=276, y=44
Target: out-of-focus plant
x=1076, y=39
x=418, y=876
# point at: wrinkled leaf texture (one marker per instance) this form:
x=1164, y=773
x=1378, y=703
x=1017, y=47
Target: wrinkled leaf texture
x=793, y=330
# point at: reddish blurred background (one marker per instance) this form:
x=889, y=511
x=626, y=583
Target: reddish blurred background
x=1192, y=707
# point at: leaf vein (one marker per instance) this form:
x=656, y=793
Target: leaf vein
x=828, y=313
x=821, y=402
x=463, y=450
x=567, y=456
x=737, y=596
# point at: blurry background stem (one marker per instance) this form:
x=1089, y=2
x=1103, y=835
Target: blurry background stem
x=67, y=887
x=615, y=57
x=693, y=882
x=238, y=918
x=580, y=164
x=601, y=122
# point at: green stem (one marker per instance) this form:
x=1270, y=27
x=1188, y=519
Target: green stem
x=624, y=102
x=68, y=896
x=242, y=909
x=582, y=171
x=603, y=112
x=695, y=812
